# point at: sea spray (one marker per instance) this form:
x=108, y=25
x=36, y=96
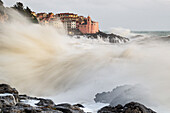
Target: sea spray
x=40, y=60
x=122, y=32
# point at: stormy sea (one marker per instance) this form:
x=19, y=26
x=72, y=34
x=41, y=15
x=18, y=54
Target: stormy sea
x=43, y=61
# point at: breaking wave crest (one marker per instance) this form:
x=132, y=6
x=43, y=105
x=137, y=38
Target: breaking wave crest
x=122, y=32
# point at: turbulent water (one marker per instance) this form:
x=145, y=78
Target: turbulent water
x=43, y=61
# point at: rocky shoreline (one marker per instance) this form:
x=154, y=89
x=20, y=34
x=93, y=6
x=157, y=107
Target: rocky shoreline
x=112, y=38
x=12, y=102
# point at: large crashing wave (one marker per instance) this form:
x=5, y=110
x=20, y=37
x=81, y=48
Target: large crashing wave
x=40, y=60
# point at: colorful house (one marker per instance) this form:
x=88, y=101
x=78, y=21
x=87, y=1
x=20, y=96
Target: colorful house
x=72, y=22
x=63, y=15
x=89, y=26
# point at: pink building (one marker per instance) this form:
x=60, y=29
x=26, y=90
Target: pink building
x=89, y=26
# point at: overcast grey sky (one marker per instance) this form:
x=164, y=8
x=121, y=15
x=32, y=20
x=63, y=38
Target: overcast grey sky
x=130, y=14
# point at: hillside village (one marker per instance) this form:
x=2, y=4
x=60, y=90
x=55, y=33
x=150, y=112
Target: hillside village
x=73, y=23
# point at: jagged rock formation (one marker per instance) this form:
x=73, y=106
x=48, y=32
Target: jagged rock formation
x=132, y=107
x=112, y=38
x=12, y=102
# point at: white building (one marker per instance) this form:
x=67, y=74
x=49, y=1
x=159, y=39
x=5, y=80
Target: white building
x=56, y=23
x=73, y=24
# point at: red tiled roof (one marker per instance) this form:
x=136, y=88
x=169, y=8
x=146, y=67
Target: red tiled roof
x=40, y=13
x=68, y=17
x=67, y=14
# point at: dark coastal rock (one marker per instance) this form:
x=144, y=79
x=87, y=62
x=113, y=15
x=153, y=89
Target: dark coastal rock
x=45, y=102
x=11, y=110
x=21, y=109
x=25, y=97
x=112, y=38
x=8, y=103
x=67, y=108
x=4, y=88
x=107, y=109
x=7, y=100
x=22, y=97
x=132, y=107
x=78, y=105
x=22, y=105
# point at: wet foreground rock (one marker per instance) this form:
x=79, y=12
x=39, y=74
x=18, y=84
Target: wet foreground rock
x=12, y=102
x=132, y=107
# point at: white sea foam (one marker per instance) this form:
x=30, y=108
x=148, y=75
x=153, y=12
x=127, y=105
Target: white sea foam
x=30, y=102
x=6, y=94
x=122, y=32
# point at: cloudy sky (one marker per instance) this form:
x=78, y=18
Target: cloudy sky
x=129, y=14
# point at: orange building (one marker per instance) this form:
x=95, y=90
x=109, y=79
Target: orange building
x=89, y=26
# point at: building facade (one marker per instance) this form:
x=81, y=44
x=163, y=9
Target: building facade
x=71, y=22
x=89, y=26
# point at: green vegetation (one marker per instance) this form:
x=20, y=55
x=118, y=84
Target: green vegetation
x=25, y=11
x=19, y=7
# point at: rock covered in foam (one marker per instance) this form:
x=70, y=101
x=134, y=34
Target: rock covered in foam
x=5, y=88
x=67, y=108
x=45, y=102
x=7, y=100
